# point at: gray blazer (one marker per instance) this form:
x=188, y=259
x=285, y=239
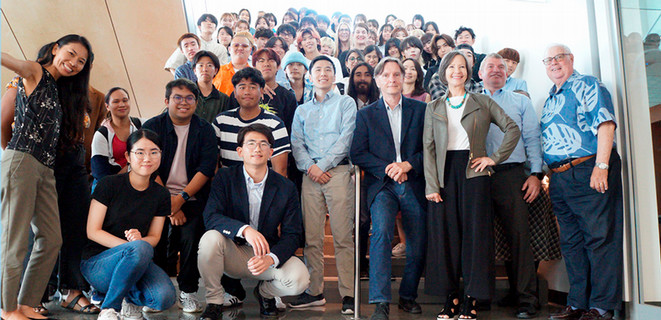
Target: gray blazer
x=480, y=111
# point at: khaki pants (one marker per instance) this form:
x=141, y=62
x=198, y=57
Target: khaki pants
x=29, y=199
x=338, y=195
x=218, y=255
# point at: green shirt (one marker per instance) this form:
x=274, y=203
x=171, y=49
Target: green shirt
x=210, y=106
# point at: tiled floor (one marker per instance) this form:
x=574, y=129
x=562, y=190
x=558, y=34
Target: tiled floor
x=250, y=309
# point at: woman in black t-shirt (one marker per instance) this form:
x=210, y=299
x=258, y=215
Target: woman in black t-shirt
x=124, y=225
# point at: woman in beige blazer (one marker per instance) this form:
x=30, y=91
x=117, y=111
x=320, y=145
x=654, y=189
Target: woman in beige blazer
x=457, y=170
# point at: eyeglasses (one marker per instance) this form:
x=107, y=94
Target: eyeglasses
x=154, y=154
x=179, y=99
x=352, y=59
x=252, y=144
x=559, y=58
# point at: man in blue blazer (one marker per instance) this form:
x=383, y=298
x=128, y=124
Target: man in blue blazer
x=387, y=145
x=242, y=219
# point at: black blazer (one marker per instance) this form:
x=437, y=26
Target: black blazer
x=227, y=210
x=373, y=147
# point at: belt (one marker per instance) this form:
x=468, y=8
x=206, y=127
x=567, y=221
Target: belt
x=343, y=162
x=506, y=166
x=571, y=164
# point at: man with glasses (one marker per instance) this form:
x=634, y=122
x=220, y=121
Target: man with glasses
x=578, y=128
x=240, y=49
x=187, y=165
x=254, y=227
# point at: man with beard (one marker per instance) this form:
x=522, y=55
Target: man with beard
x=362, y=87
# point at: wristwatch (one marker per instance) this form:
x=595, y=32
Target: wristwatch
x=601, y=165
x=539, y=175
x=185, y=195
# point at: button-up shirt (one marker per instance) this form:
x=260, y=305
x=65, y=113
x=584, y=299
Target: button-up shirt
x=185, y=71
x=322, y=131
x=520, y=109
x=513, y=84
x=395, y=119
x=571, y=118
x=255, y=192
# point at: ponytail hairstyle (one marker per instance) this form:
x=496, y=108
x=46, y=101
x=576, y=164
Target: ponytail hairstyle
x=107, y=99
x=73, y=91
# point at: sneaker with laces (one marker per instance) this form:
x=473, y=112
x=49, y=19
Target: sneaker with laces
x=188, y=302
x=347, y=305
x=108, y=314
x=230, y=301
x=305, y=300
x=130, y=311
x=399, y=250
x=281, y=306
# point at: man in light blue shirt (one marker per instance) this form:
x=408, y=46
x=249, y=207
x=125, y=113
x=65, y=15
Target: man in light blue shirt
x=322, y=131
x=511, y=187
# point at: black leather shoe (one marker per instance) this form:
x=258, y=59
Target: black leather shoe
x=381, y=312
x=593, y=314
x=212, y=312
x=409, y=306
x=267, y=307
x=507, y=301
x=567, y=314
x=526, y=311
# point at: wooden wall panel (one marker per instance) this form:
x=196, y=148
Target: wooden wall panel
x=131, y=40
x=147, y=32
x=9, y=45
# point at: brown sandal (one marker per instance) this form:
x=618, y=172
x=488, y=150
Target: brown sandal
x=75, y=306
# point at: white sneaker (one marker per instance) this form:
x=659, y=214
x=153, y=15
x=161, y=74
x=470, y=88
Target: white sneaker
x=130, y=311
x=280, y=305
x=108, y=314
x=188, y=302
x=399, y=250
x=149, y=310
x=230, y=300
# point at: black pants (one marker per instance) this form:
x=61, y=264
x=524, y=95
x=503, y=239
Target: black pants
x=73, y=198
x=186, y=238
x=509, y=206
x=460, y=234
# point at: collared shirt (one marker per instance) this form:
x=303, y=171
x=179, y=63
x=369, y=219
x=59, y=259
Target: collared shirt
x=177, y=58
x=223, y=79
x=520, y=109
x=255, y=194
x=395, y=119
x=437, y=89
x=308, y=90
x=209, y=107
x=571, y=118
x=322, y=131
x=185, y=71
x=513, y=84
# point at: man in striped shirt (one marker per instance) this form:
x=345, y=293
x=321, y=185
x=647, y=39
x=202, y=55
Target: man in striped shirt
x=248, y=84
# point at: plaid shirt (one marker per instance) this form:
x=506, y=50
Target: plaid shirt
x=437, y=89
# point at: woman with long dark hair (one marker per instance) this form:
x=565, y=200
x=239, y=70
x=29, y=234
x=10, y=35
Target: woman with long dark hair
x=126, y=218
x=413, y=78
x=50, y=106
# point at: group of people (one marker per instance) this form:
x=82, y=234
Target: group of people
x=255, y=150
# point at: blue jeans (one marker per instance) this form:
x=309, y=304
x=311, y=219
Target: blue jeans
x=392, y=198
x=127, y=271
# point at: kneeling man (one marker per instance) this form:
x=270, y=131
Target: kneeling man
x=242, y=218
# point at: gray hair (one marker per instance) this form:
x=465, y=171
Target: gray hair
x=445, y=62
x=558, y=45
x=492, y=55
x=382, y=64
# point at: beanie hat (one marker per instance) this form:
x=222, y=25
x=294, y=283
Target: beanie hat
x=294, y=56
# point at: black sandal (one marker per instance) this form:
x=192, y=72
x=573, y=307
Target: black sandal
x=450, y=309
x=88, y=309
x=468, y=308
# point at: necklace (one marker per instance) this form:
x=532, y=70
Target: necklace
x=459, y=105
